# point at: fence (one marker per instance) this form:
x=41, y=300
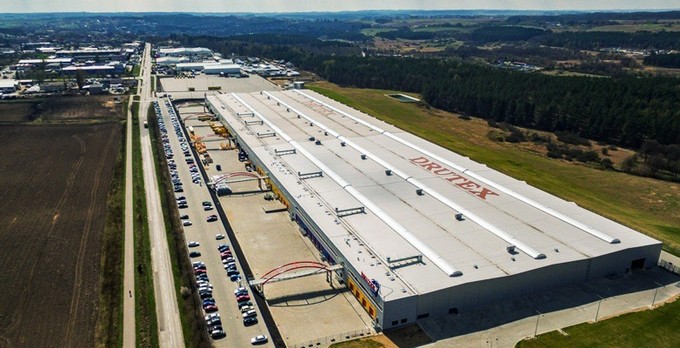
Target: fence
x=328, y=340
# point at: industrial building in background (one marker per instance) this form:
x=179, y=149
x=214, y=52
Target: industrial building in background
x=420, y=231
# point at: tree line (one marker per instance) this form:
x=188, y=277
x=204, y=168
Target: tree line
x=671, y=60
x=625, y=110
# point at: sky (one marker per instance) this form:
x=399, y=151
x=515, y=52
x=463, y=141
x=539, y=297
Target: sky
x=259, y=6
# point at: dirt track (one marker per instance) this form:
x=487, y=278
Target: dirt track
x=54, y=184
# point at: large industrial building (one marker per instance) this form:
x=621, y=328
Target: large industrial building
x=421, y=231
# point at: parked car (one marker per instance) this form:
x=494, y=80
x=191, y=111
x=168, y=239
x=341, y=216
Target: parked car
x=219, y=236
x=210, y=308
x=206, y=203
x=243, y=298
x=213, y=321
x=193, y=244
x=219, y=333
x=187, y=223
x=235, y=277
x=244, y=304
x=195, y=254
x=205, y=294
x=259, y=339
x=208, y=207
x=249, y=321
x=211, y=218
x=211, y=316
x=184, y=217
x=250, y=314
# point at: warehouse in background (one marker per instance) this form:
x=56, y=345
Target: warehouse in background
x=420, y=231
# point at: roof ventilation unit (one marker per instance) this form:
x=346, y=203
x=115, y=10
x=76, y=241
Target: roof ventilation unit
x=459, y=217
x=363, y=157
x=298, y=116
x=312, y=138
x=511, y=249
x=318, y=142
x=420, y=192
x=342, y=143
x=388, y=172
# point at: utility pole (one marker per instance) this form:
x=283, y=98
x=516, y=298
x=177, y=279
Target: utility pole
x=655, y=292
x=537, y=318
x=599, y=303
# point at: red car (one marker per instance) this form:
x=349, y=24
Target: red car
x=243, y=298
x=226, y=254
x=210, y=308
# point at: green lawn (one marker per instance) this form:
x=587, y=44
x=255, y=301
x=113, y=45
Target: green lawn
x=647, y=205
x=358, y=343
x=657, y=328
x=145, y=302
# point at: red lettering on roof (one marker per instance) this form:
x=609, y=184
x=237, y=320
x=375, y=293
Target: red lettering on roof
x=456, y=179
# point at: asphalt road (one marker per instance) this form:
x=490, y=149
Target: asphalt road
x=169, y=325
x=129, y=332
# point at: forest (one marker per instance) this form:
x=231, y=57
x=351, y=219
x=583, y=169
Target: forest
x=625, y=110
x=663, y=40
x=671, y=60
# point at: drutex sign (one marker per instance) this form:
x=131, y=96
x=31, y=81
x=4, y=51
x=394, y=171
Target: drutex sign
x=454, y=178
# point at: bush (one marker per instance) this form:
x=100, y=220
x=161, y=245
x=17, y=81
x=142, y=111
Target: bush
x=571, y=138
x=496, y=136
x=588, y=156
x=516, y=137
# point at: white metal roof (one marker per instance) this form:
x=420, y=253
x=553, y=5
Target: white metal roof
x=355, y=152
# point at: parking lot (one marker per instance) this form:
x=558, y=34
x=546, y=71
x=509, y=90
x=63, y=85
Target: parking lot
x=306, y=310
x=181, y=88
x=217, y=290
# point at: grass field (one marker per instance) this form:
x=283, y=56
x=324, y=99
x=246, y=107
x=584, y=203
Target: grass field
x=647, y=205
x=657, y=328
x=374, y=31
x=109, y=330
x=360, y=343
x=145, y=302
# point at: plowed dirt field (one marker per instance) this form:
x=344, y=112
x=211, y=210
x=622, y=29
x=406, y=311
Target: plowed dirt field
x=53, y=188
